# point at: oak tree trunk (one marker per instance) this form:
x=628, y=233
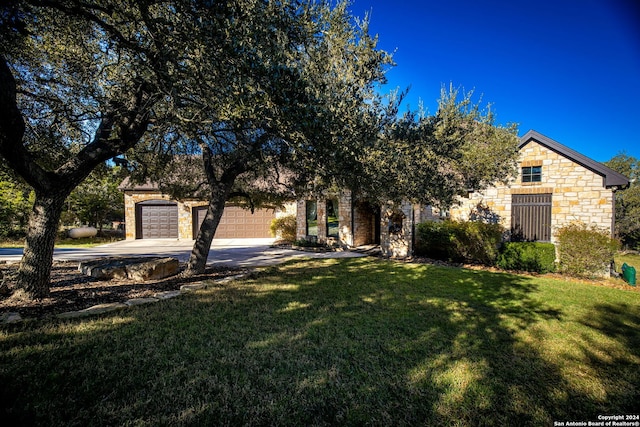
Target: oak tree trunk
x=34, y=273
x=200, y=252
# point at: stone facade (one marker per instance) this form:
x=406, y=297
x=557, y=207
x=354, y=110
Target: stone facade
x=185, y=209
x=580, y=190
x=356, y=221
x=577, y=193
x=397, y=230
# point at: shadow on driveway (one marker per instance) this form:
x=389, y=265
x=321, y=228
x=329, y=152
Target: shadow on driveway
x=230, y=252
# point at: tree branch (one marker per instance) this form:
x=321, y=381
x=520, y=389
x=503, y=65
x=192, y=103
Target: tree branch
x=12, y=128
x=244, y=196
x=80, y=10
x=120, y=129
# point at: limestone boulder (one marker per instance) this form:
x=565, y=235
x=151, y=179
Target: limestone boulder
x=153, y=270
x=105, y=269
x=136, y=269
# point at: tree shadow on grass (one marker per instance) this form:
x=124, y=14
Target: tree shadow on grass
x=615, y=359
x=328, y=342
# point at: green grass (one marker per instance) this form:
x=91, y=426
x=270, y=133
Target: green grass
x=86, y=242
x=632, y=259
x=337, y=342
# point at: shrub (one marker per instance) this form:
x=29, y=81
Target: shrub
x=434, y=239
x=478, y=242
x=585, y=250
x=304, y=243
x=528, y=256
x=284, y=228
x=472, y=241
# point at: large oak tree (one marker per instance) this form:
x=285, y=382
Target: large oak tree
x=433, y=159
x=83, y=81
x=292, y=111
x=78, y=85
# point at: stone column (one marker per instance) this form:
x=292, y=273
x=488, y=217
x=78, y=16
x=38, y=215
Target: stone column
x=345, y=218
x=301, y=219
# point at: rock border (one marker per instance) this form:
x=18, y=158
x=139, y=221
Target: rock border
x=316, y=249
x=14, y=317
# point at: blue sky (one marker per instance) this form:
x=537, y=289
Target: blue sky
x=569, y=69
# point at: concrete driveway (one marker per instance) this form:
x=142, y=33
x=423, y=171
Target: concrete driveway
x=231, y=252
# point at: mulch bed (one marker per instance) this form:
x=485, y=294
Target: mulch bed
x=71, y=290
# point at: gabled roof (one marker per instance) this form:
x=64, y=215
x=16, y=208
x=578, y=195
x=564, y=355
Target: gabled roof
x=611, y=177
x=127, y=185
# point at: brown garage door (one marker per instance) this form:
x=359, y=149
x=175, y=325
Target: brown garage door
x=238, y=223
x=157, y=220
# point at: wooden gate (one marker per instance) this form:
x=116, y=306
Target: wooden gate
x=531, y=217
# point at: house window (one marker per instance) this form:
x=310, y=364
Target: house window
x=531, y=217
x=532, y=174
x=332, y=218
x=395, y=223
x=312, y=218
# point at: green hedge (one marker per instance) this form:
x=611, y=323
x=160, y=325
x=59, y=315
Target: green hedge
x=459, y=241
x=284, y=228
x=528, y=256
x=585, y=250
x=434, y=239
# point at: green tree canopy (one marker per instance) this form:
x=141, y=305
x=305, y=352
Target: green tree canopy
x=16, y=198
x=81, y=82
x=97, y=199
x=432, y=159
x=627, y=201
x=291, y=110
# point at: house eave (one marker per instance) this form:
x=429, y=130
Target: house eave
x=611, y=178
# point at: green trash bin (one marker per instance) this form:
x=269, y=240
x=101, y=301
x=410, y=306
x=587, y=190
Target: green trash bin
x=629, y=274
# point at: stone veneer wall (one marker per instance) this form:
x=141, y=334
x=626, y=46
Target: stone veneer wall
x=398, y=245
x=578, y=194
x=357, y=223
x=356, y=226
x=185, y=212
x=345, y=236
x=345, y=219
x=301, y=219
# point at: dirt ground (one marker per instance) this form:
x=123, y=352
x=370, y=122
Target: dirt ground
x=71, y=290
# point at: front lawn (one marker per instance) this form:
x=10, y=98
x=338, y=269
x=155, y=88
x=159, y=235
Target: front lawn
x=67, y=242
x=631, y=258
x=337, y=342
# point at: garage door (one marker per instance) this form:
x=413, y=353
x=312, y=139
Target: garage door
x=157, y=220
x=238, y=223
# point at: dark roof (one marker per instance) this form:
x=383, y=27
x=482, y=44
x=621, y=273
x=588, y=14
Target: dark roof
x=611, y=177
x=127, y=185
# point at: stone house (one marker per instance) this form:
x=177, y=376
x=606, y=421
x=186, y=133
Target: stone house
x=555, y=186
